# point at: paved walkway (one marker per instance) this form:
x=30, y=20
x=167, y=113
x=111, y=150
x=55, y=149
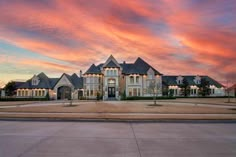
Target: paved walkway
x=93, y=139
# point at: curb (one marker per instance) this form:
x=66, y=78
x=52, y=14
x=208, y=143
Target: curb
x=36, y=119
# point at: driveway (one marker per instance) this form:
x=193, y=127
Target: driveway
x=103, y=139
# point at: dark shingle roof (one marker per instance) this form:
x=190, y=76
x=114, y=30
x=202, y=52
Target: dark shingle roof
x=93, y=70
x=44, y=82
x=49, y=83
x=111, y=64
x=171, y=80
x=138, y=67
x=77, y=81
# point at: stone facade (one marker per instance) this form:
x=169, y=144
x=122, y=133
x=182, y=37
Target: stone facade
x=112, y=81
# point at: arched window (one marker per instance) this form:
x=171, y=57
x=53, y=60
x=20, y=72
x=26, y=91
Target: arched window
x=131, y=79
x=137, y=79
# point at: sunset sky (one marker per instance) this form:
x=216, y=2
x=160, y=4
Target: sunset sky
x=65, y=36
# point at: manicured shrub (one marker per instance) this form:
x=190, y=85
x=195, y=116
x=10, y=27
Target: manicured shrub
x=23, y=99
x=147, y=98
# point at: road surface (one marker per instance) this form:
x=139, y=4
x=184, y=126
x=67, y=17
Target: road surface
x=116, y=139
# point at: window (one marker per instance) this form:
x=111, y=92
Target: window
x=131, y=79
x=87, y=92
x=150, y=76
x=43, y=93
x=108, y=73
x=130, y=91
x=135, y=91
x=139, y=92
x=26, y=93
x=137, y=79
x=39, y=92
x=179, y=81
x=87, y=80
x=91, y=92
x=213, y=91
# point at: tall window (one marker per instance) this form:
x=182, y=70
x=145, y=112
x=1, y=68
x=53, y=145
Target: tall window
x=88, y=80
x=137, y=79
x=135, y=91
x=130, y=91
x=213, y=91
x=131, y=79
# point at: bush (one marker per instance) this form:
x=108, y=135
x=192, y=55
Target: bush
x=147, y=98
x=203, y=97
x=23, y=99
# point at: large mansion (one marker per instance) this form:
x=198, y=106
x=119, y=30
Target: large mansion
x=112, y=80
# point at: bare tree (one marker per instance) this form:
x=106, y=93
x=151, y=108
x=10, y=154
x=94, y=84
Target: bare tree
x=154, y=87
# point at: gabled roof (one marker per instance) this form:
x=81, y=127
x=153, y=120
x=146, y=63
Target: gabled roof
x=44, y=82
x=77, y=81
x=142, y=67
x=138, y=67
x=111, y=64
x=93, y=70
x=49, y=83
x=171, y=80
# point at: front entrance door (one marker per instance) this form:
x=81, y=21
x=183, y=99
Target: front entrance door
x=111, y=92
x=63, y=92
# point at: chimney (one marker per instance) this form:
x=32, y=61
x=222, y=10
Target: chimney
x=80, y=73
x=124, y=62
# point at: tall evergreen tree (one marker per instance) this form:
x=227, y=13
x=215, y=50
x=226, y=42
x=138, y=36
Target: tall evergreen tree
x=185, y=88
x=10, y=88
x=204, y=87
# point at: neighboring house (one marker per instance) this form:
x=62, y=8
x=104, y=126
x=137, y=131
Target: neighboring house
x=111, y=80
x=175, y=83
x=231, y=91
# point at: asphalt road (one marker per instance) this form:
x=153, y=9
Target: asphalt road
x=111, y=139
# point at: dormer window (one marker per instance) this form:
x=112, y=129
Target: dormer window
x=197, y=80
x=179, y=80
x=35, y=80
